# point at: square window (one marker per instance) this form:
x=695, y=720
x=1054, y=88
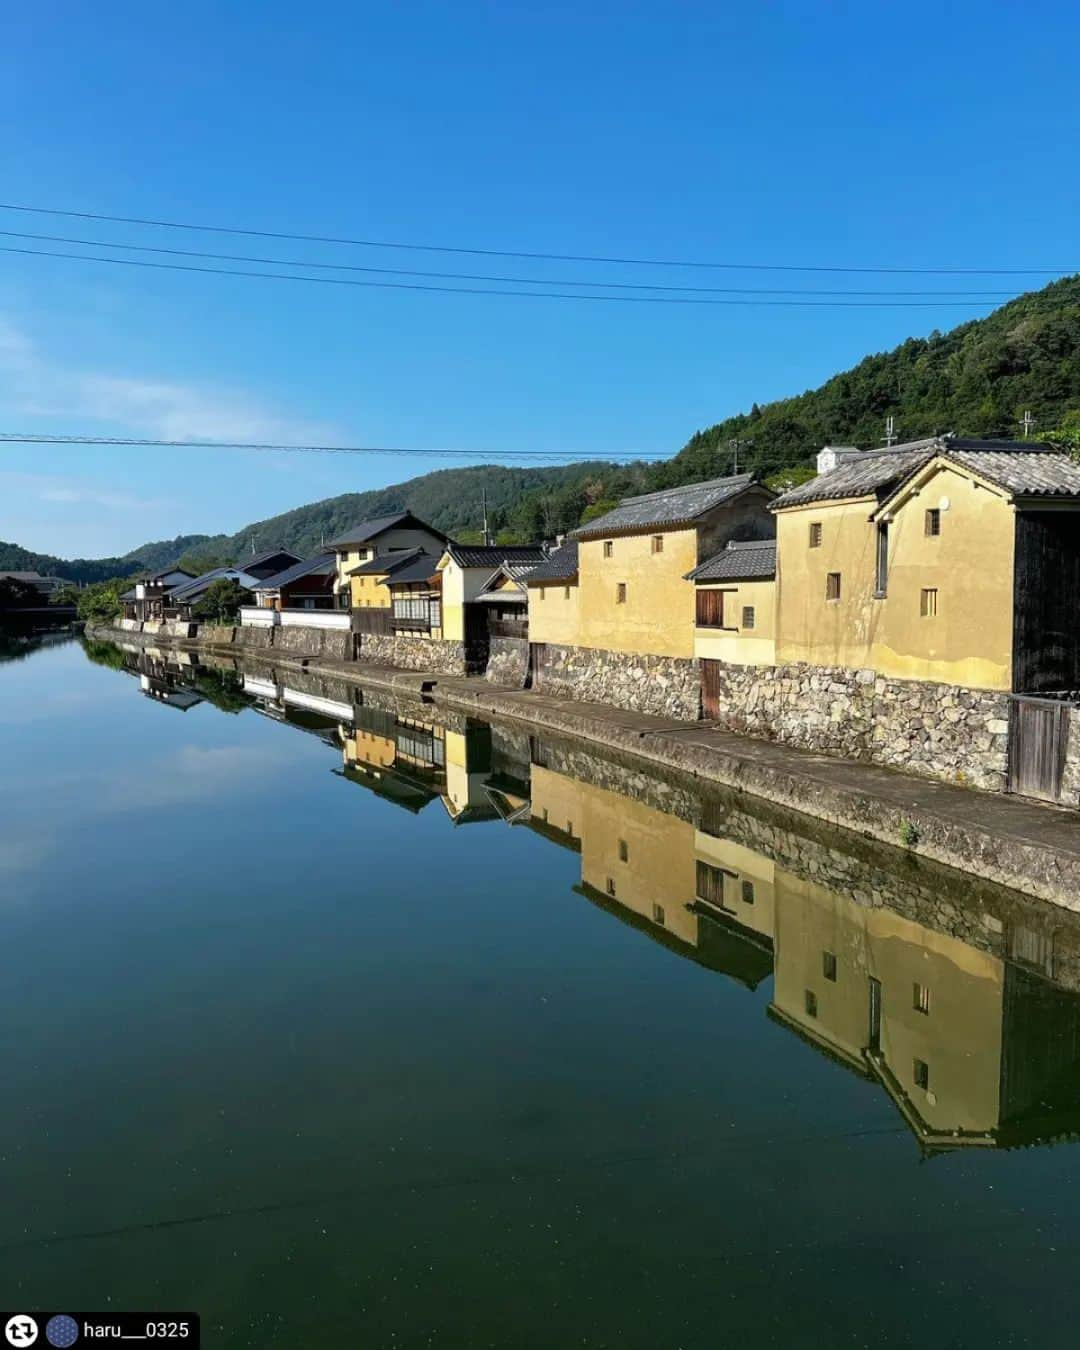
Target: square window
x=609, y=548
x=624, y=851
x=748, y=892
x=920, y=999
x=620, y=593
x=921, y=1071
x=928, y=603
x=658, y=543
x=933, y=522
x=658, y=914
x=748, y=616
x=815, y=534
x=811, y=1003
x=611, y=887
x=828, y=965
x=832, y=586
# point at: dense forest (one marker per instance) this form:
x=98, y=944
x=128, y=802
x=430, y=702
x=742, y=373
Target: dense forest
x=976, y=380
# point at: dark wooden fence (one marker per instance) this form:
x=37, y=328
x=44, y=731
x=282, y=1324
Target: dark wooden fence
x=508, y=628
x=372, y=621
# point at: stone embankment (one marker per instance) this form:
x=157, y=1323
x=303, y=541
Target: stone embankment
x=1025, y=845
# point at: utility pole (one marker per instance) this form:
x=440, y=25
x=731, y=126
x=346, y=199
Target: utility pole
x=1029, y=423
x=735, y=446
x=890, y=430
x=483, y=503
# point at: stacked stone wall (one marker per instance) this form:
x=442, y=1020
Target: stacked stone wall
x=937, y=730
x=508, y=662
x=665, y=686
x=408, y=652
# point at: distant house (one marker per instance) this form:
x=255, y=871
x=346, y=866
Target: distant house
x=146, y=599
x=268, y=563
x=618, y=625
x=370, y=589
x=379, y=537
x=44, y=586
x=305, y=585
x=181, y=600
x=413, y=587
x=465, y=571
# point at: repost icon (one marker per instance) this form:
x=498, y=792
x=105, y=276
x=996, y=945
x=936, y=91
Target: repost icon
x=21, y=1330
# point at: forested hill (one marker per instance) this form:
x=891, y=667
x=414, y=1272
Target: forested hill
x=976, y=380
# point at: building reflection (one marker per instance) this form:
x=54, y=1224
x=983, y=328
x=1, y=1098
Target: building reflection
x=960, y=1001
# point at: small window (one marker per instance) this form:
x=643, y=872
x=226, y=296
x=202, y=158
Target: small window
x=748, y=616
x=609, y=548
x=928, y=603
x=611, y=887
x=620, y=593
x=920, y=999
x=815, y=534
x=624, y=851
x=566, y=592
x=748, y=892
x=545, y=813
x=811, y=1003
x=922, y=1073
x=543, y=592
x=933, y=522
x=569, y=827
x=828, y=965
x=658, y=914
x=658, y=543
x=832, y=586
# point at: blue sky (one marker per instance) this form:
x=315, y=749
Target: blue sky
x=843, y=135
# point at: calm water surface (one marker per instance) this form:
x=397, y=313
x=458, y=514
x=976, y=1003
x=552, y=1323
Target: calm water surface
x=343, y=1023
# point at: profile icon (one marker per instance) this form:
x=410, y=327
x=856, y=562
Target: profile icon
x=21, y=1330
x=61, y=1330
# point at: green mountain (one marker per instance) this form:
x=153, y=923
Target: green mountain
x=976, y=380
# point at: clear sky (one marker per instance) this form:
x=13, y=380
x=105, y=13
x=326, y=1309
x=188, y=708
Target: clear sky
x=920, y=135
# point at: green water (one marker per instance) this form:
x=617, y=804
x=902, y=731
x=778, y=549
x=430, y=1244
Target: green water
x=343, y=1023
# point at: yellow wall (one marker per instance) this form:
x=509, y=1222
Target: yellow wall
x=346, y=561
x=742, y=647
x=959, y=1039
x=658, y=616
x=367, y=748
x=368, y=592
x=970, y=564
x=743, y=864
x=454, y=587
x=555, y=613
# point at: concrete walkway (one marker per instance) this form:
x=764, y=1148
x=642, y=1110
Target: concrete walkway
x=1032, y=847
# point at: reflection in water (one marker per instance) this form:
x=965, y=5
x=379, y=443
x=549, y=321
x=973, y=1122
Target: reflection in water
x=961, y=1000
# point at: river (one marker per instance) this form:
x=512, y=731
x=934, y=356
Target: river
x=342, y=1021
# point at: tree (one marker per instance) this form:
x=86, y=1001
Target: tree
x=221, y=601
x=100, y=603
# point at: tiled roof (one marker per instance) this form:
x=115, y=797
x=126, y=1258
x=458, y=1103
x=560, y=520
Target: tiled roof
x=422, y=567
x=322, y=565
x=492, y=555
x=1025, y=474
x=739, y=562
x=368, y=529
x=562, y=565
x=249, y=564
x=667, y=509
x=385, y=563
x=190, y=589
x=875, y=473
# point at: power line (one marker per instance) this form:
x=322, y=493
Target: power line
x=44, y=438
x=544, y=257
x=474, y=276
x=485, y=290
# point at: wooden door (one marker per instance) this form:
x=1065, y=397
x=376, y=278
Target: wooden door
x=1038, y=737
x=710, y=689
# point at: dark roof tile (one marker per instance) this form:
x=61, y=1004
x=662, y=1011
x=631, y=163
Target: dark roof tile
x=667, y=509
x=752, y=561
x=561, y=565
